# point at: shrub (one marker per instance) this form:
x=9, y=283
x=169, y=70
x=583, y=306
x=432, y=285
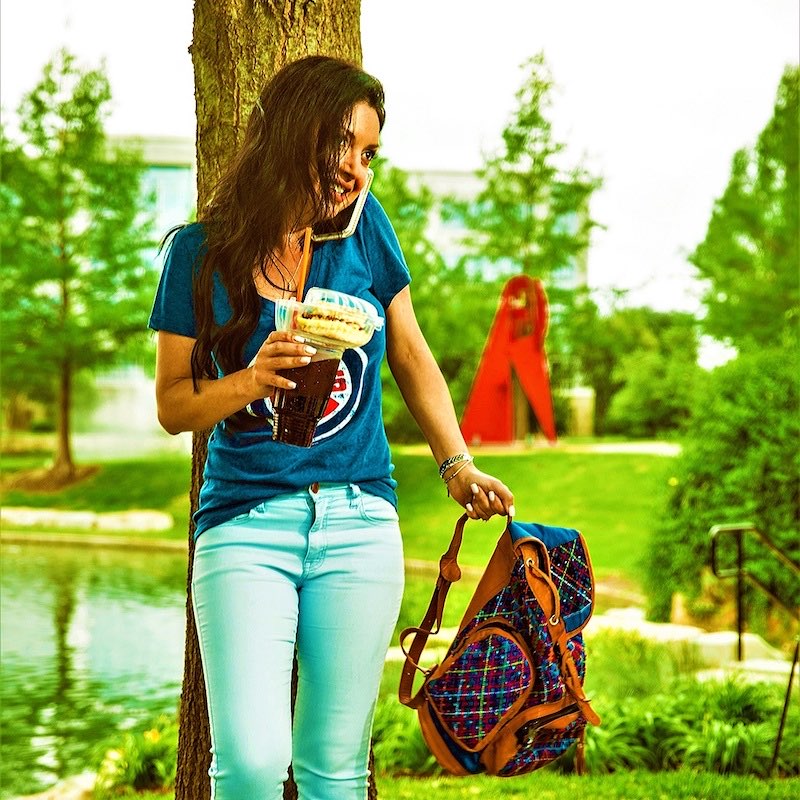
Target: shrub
x=730, y=748
x=740, y=463
x=738, y=701
x=617, y=744
x=723, y=727
x=657, y=395
x=142, y=760
x=625, y=664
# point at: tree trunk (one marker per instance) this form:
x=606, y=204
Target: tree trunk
x=237, y=45
x=63, y=466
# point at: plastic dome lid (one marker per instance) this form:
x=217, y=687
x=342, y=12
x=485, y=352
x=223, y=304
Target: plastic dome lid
x=318, y=295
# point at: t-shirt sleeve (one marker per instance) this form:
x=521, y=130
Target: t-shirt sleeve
x=173, y=309
x=390, y=272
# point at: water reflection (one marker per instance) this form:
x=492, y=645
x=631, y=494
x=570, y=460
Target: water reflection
x=92, y=643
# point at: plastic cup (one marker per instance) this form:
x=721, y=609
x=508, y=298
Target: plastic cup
x=297, y=411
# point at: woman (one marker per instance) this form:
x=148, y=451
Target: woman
x=298, y=549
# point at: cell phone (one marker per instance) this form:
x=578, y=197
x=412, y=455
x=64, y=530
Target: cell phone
x=346, y=220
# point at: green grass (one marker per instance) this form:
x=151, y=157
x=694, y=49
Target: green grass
x=158, y=483
x=545, y=785
x=615, y=499
x=154, y=482
x=622, y=786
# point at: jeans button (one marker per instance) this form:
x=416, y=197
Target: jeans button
x=314, y=487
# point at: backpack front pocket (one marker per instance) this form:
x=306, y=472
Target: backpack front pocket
x=537, y=742
x=482, y=683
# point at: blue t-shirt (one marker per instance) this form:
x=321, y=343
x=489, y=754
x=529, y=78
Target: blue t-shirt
x=245, y=468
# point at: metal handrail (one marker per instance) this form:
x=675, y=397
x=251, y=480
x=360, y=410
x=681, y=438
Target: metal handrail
x=741, y=573
x=748, y=527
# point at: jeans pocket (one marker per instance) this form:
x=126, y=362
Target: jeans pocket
x=376, y=509
x=238, y=519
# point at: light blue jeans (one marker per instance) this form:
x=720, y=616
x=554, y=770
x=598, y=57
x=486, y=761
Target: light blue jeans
x=316, y=571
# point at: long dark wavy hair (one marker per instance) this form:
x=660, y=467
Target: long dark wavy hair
x=282, y=178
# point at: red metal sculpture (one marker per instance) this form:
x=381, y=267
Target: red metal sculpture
x=516, y=342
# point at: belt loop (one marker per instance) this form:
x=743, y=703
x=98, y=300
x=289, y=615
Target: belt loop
x=355, y=493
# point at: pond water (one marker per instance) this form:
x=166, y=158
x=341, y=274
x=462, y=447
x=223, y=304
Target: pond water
x=91, y=643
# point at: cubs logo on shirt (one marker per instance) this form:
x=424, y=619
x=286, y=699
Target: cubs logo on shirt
x=346, y=395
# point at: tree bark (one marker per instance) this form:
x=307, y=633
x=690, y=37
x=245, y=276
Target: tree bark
x=236, y=46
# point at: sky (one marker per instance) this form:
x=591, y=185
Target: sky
x=653, y=97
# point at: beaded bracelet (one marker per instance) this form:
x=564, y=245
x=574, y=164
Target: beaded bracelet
x=452, y=461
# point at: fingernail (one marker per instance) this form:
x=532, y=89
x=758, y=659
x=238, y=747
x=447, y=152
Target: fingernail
x=298, y=339
x=292, y=385
x=512, y=512
x=305, y=360
x=491, y=497
x=469, y=508
x=310, y=349
x=474, y=488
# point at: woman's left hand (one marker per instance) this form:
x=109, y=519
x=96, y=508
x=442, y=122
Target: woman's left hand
x=480, y=494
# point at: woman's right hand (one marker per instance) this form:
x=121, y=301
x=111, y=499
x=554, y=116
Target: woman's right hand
x=281, y=350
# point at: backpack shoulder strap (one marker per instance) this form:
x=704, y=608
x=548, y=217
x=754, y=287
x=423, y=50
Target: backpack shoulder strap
x=546, y=594
x=449, y=573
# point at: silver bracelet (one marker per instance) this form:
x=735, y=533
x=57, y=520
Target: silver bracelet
x=450, y=477
x=452, y=461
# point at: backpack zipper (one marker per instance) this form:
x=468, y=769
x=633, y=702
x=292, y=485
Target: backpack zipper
x=527, y=733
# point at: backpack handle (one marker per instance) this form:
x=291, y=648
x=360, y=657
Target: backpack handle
x=449, y=573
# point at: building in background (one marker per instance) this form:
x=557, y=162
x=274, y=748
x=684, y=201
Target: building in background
x=170, y=179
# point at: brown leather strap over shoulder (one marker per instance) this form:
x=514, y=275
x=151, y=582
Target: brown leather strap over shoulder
x=449, y=573
x=304, y=265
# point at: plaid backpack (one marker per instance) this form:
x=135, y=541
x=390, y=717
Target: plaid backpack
x=508, y=697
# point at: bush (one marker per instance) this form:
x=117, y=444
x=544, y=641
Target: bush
x=726, y=727
x=656, y=716
x=624, y=664
x=143, y=760
x=740, y=463
x=657, y=395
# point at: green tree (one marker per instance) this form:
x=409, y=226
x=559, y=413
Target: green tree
x=532, y=215
x=639, y=361
x=751, y=251
x=74, y=277
x=658, y=392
